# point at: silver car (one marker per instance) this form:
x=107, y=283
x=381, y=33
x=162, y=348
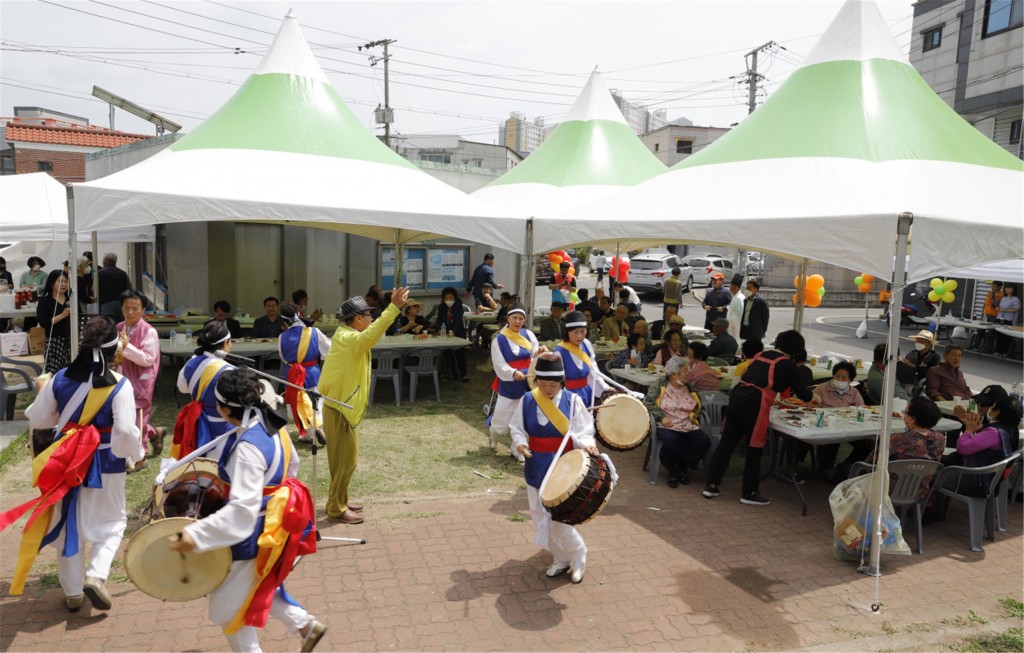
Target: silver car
x=698, y=268
x=648, y=272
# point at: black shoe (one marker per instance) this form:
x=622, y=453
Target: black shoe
x=684, y=478
x=755, y=499
x=710, y=491
x=673, y=481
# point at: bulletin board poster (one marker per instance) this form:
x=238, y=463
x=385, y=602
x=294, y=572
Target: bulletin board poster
x=425, y=268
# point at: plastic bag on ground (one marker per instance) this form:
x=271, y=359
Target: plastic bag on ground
x=854, y=521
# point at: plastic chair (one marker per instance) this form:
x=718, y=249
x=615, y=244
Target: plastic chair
x=714, y=361
x=910, y=474
x=981, y=509
x=712, y=405
x=1014, y=483
x=386, y=364
x=426, y=365
x=9, y=391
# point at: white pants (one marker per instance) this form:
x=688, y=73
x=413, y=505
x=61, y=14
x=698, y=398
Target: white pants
x=101, y=520
x=226, y=600
x=502, y=415
x=563, y=541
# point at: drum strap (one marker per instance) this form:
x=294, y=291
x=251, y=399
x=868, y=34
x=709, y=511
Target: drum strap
x=551, y=411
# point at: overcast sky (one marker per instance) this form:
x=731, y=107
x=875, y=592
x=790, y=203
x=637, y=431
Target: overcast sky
x=457, y=67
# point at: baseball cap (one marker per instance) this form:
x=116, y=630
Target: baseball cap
x=677, y=319
x=990, y=395
x=718, y=275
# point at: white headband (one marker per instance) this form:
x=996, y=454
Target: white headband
x=517, y=310
x=224, y=401
x=575, y=325
x=557, y=374
x=224, y=339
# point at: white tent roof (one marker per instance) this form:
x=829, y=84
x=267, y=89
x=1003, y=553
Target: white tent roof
x=593, y=153
x=34, y=207
x=822, y=170
x=286, y=148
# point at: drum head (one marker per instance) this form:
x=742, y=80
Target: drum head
x=197, y=465
x=167, y=575
x=267, y=393
x=623, y=422
x=531, y=374
x=569, y=472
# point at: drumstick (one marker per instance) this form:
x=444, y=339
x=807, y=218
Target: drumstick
x=593, y=408
x=184, y=568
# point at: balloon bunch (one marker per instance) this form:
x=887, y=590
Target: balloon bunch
x=556, y=258
x=864, y=283
x=942, y=290
x=620, y=268
x=814, y=290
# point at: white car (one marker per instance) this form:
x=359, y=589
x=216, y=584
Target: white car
x=597, y=254
x=698, y=268
x=648, y=272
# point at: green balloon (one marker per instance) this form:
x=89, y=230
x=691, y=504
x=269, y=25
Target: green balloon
x=859, y=280
x=821, y=291
x=940, y=290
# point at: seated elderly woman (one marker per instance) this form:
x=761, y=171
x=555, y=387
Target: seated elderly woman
x=838, y=393
x=635, y=354
x=700, y=374
x=674, y=347
x=982, y=445
x=676, y=409
x=919, y=441
x=642, y=328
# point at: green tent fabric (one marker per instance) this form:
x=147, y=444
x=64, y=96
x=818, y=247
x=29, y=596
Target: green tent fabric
x=286, y=148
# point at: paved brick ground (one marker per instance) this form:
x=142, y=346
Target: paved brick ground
x=462, y=574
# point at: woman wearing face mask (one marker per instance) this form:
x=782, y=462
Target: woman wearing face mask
x=84, y=283
x=450, y=314
x=919, y=441
x=34, y=277
x=838, y=393
x=676, y=409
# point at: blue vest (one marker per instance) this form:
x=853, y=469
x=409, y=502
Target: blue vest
x=63, y=389
x=289, y=342
x=512, y=389
x=211, y=425
x=573, y=373
x=268, y=445
x=537, y=466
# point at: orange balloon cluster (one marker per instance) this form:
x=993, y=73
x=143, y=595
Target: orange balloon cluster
x=814, y=290
x=620, y=269
x=863, y=282
x=556, y=258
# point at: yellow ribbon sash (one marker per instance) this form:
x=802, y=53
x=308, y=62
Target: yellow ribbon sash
x=304, y=405
x=550, y=410
x=578, y=352
x=517, y=338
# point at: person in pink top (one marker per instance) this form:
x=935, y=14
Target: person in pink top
x=139, y=362
x=700, y=375
x=838, y=393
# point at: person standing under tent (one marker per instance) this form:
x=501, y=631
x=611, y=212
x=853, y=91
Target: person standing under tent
x=748, y=413
x=301, y=349
x=113, y=282
x=672, y=293
x=582, y=377
x=260, y=465
x=735, y=312
x=346, y=378
x=512, y=350
x=755, y=312
x=538, y=423
x=198, y=422
x=91, y=411
x=716, y=300
x=34, y=278
x=562, y=285
x=139, y=361
x=53, y=311
x=483, y=274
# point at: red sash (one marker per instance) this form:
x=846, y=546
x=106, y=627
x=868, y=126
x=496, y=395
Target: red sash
x=297, y=376
x=186, y=436
x=518, y=364
x=576, y=384
x=548, y=445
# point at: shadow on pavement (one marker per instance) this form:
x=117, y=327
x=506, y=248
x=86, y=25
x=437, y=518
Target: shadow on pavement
x=522, y=590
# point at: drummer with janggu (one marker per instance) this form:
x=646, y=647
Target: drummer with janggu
x=545, y=416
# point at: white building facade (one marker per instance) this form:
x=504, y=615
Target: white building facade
x=676, y=141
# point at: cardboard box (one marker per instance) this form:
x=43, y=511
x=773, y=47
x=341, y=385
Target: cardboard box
x=14, y=344
x=37, y=340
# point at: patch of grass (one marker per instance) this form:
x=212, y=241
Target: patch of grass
x=1013, y=607
x=888, y=628
x=853, y=633
x=963, y=622
x=16, y=451
x=1011, y=639
x=407, y=515
x=49, y=580
x=516, y=518
x=919, y=627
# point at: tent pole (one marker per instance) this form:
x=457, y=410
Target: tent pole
x=398, y=258
x=528, y=288
x=801, y=286
x=880, y=477
x=95, y=268
x=611, y=277
x=72, y=265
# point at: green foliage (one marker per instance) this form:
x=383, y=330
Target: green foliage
x=1014, y=608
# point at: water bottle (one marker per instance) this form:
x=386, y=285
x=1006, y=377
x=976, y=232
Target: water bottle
x=188, y=334
x=238, y=312
x=444, y=331
x=172, y=335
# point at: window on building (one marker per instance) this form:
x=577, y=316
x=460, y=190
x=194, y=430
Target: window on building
x=657, y=146
x=684, y=146
x=436, y=158
x=1015, y=132
x=1002, y=15
x=932, y=39
x=45, y=166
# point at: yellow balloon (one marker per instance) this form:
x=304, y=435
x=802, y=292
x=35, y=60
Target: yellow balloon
x=932, y=297
x=948, y=297
x=935, y=282
x=950, y=285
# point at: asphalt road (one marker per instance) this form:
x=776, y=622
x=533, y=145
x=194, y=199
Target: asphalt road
x=830, y=330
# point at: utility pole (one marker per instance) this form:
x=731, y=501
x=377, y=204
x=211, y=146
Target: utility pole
x=753, y=77
x=383, y=116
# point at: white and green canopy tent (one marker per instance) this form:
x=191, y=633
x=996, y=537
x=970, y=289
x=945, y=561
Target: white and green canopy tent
x=852, y=149
x=592, y=154
x=286, y=148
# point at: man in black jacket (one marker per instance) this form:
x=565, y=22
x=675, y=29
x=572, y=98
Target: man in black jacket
x=716, y=301
x=755, y=313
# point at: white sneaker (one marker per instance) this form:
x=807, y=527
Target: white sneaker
x=314, y=631
x=97, y=592
x=74, y=603
x=578, y=573
x=557, y=569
